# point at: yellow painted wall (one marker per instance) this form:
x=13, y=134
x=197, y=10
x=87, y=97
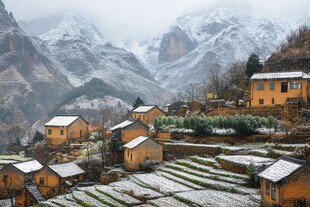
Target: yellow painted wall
x=148, y=117
x=147, y=150
x=128, y=135
x=70, y=133
x=279, y=97
x=267, y=198
x=15, y=180
x=51, y=182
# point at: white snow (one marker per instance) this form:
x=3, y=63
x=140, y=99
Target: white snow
x=246, y=159
x=28, y=166
x=80, y=195
x=212, y=198
x=122, y=125
x=61, y=121
x=279, y=170
x=143, y=109
x=66, y=169
x=137, y=141
x=280, y=75
x=92, y=190
x=168, y=202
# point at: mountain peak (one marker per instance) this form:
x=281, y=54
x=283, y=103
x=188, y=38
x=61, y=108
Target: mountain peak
x=74, y=26
x=7, y=21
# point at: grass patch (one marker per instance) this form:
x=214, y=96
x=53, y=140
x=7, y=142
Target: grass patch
x=187, y=202
x=82, y=203
x=114, y=198
x=99, y=199
x=204, y=162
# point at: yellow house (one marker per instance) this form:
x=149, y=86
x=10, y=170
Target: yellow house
x=147, y=114
x=56, y=178
x=65, y=129
x=285, y=183
x=279, y=88
x=139, y=150
x=129, y=130
x=14, y=175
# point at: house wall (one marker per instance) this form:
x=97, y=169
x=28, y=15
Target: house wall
x=148, y=117
x=128, y=135
x=78, y=130
x=147, y=150
x=297, y=187
x=15, y=180
x=51, y=185
x=267, y=199
x=276, y=94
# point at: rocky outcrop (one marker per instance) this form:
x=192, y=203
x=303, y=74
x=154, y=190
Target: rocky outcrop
x=174, y=45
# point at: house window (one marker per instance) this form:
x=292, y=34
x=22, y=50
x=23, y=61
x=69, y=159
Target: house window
x=267, y=188
x=271, y=86
x=5, y=177
x=283, y=87
x=41, y=181
x=130, y=156
x=127, y=153
x=260, y=87
x=273, y=192
x=61, y=132
x=295, y=85
x=49, y=131
x=261, y=101
x=272, y=100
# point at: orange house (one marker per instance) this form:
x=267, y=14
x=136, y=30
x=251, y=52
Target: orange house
x=29, y=196
x=129, y=130
x=139, y=150
x=13, y=176
x=286, y=183
x=279, y=88
x=65, y=129
x=56, y=178
x=147, y=114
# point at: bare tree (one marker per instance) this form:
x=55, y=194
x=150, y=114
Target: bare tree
x=193, y=92
x=11, y=188
x=14, y=136
x=102, y=146
x=216, y=81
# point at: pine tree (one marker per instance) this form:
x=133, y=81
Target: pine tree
x=253, y=65
x=138, y=102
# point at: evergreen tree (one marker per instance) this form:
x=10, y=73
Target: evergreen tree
x=38, y=136
x=253, y=65
x=138, y=102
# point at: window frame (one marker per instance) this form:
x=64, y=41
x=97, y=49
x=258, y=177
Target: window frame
x=273, y=86
x=261, y=101
x=61, y=132
x=267, y=188
x=42, y=181
x=284, y=87
x=273, y=192
x=260, y=86
x=49, y=131
x=294, y=85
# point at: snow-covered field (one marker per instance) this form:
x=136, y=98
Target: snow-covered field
x=196, y=181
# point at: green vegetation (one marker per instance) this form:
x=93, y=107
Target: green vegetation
x=203, y=125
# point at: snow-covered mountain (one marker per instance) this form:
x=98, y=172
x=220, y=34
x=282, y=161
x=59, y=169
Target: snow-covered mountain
x=82, y=53
x=184, y=53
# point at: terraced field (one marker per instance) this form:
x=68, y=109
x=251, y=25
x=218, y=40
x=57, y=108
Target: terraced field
x=195, y=181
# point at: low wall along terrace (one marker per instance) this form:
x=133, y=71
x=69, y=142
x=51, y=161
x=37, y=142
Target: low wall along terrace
x=284, y=112
x=180, y=150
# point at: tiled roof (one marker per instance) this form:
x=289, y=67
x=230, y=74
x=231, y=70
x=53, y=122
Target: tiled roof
x=34, y=191
x=28, y=166
x=143, y=109
x=280, y=75
x=66, y=169
x=61, y=121
x=280, y=170
x=122, y=125
x=137, y=141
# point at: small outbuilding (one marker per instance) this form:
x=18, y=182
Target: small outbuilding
x=56, y=178
x=140, y=150
x=286, y=183
x=147, y=114
x=129, y=130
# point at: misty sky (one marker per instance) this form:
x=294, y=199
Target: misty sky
x=138, y=19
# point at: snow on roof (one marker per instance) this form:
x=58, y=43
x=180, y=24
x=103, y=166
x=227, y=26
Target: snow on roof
x=122, y=125
x=132, y=144
x=279, y=170
x=28, y=166
x=280, y=75
x=142, y=109
x=61, y=121
x=66, y=169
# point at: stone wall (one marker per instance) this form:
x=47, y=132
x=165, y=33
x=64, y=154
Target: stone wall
x=180, y=150
x=284, y=112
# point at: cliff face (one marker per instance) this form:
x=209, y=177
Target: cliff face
x=174, y=45
x=29, y=83
x=293, y=54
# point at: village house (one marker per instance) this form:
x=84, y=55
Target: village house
x=56, y=178
x=129, y=130
x=285, y=183
x=173, y=108
x=65, y=129
x=139, y=150
x=29, y=196
x=279, y=88
x=147, y=114
x=13, y=176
